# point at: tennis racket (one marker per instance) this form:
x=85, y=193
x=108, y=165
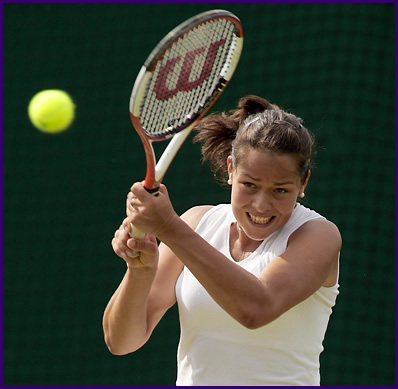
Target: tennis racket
x=180, y=80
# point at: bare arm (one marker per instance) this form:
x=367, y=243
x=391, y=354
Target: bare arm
x=256, y=301
x=146, y=292
x=309, y=262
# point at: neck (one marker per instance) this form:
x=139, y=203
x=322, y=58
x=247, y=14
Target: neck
x=241, y=246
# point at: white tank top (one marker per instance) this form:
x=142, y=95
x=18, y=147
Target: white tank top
x=215, y=350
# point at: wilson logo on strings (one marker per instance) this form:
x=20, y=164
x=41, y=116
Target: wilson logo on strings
x=184, y=84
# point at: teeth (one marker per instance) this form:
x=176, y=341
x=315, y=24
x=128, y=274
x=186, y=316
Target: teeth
x=260, y=220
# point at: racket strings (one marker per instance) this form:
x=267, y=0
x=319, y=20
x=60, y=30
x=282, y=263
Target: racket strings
x=186, y=76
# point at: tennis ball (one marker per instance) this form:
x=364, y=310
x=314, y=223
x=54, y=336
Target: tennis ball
x=51, y=111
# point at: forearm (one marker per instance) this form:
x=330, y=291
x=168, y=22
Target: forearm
x=125, y=318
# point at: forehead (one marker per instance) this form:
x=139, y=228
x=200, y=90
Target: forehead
x=268, y=166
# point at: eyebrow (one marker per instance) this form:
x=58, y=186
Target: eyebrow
x=284, y=183
x=275, y=183
x=252, y=178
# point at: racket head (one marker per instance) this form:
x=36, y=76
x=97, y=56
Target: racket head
x=185, y=74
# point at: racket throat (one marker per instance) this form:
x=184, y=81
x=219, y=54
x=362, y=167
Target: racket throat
x=150, y=179
x=170, y=152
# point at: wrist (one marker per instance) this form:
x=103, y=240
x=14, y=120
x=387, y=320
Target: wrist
x=141, y=272
x=170, y=229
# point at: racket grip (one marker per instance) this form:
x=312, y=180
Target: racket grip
x=136, y=234
x=154, y=191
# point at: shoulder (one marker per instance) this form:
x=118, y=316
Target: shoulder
x=320, y=226
x=318, y=233
x=193, y=215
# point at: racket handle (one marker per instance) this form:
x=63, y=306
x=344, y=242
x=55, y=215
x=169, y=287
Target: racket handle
x=136, y=234
x=154, y=191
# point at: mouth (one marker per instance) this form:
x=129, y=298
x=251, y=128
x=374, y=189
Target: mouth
x=260, y=220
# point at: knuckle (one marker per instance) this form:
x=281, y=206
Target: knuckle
x=119, y=252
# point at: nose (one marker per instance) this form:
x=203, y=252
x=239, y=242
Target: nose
x=262, y=202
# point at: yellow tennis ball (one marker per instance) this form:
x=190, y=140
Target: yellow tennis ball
x=51, y=111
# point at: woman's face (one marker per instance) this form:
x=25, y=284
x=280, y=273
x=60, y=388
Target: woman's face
x=265, y=187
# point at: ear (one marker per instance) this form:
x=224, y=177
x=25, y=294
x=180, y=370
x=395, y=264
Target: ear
x=229, y=164
x=306, y=181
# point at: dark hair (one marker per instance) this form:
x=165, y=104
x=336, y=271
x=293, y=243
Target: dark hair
x=257, y=124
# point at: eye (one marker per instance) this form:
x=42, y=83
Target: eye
x=248, y=184
x=281, y=190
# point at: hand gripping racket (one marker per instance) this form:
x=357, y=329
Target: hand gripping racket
x=180, y=80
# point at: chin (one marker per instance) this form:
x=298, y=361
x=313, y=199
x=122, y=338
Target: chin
x=257, y=235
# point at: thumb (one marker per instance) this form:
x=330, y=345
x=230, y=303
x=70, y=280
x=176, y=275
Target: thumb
x=163, y=190
x=147, y=245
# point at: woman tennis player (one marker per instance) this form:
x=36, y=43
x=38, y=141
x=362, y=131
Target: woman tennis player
x=255, y=280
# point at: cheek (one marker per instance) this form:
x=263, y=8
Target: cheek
x=234, y=192
x=238, y=196
x=285, y=205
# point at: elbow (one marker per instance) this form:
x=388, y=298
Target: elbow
x=112, y=349
x=115, y=352
x=116, y=345
x=118, y=349
x=109, y=341
x=254, y=318
x=122, y=345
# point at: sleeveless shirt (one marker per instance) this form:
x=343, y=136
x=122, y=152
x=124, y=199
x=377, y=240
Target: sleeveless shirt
x=215, y=350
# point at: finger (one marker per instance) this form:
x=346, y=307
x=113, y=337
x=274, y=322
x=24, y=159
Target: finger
x=163, y=189
x=130, y=196
x=144, y=246
x=151, y=238
x=140, y=193
x=142, y=183
x=119, y=233
x=126, y=225
x=135, y=188
x=121, y=249
x=130, y=202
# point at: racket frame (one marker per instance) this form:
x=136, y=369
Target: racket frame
x=156, y=171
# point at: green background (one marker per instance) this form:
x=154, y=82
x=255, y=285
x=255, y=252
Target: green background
x=64, y=195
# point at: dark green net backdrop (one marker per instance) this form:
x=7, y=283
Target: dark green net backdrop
x=331, y=64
